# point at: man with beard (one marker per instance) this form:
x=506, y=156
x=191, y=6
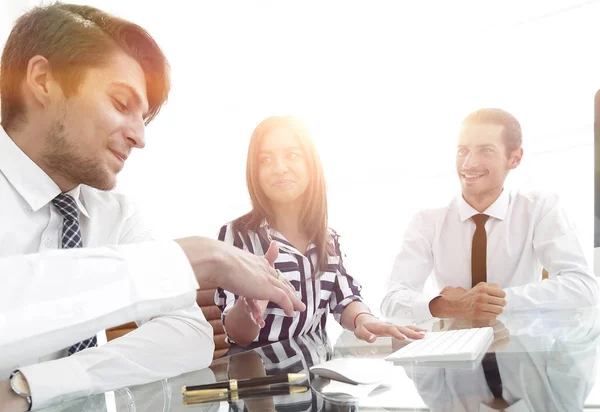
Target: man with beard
x=77, y=88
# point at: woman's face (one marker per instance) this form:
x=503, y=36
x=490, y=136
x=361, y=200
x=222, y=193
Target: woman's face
x=283, y=172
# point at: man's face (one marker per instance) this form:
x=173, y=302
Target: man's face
x=96, y=128
x=482, y=162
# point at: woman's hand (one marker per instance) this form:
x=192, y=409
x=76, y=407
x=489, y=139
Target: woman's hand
x=256, y=308
x=240, y=272
x=369, y=327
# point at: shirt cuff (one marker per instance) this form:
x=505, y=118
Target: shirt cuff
x=421, y=306
x=56, y=381
x=159, y=269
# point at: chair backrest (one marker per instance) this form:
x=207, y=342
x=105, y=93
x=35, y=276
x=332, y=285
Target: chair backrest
x=118, y=331
x=205, y=297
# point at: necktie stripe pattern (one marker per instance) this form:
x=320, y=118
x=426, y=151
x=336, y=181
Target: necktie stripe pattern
x=479, y=274
x=71, y=238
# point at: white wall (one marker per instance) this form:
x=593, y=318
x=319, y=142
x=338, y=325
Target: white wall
x=382, y=85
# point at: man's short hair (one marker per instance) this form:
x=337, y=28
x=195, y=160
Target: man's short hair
x=74, y=38
x=513, y=137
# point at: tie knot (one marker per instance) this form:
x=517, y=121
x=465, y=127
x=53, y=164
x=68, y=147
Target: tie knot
x=66, y=206
x=480, y=219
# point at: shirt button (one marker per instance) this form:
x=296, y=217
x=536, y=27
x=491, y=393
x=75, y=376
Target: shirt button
x=48, y=242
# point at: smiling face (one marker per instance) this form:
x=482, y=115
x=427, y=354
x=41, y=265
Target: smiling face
x=94, y=130
x=283, y=172
x=482, y=161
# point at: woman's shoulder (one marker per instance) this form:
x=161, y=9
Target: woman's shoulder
x=238, y=234
x=238, y=225
x=225, y=231
x=334, y=240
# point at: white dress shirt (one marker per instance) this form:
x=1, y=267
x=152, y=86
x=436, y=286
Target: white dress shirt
x=525, y=233
x=51, y=299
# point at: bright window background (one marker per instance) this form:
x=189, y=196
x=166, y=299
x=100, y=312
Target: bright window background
x=382, y=85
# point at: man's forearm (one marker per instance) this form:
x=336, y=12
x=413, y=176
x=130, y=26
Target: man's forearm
x=143, y=280
x=566, y=291
x=440, y=307
x=204, y=256
x=404, y=303
x=164, y=347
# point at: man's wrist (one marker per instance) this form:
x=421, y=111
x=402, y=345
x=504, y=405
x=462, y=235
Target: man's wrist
x=13, y=400
x=205, y=257
x=19, y=403
x=440, y=307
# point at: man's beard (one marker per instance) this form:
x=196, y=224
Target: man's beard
x=62, y=157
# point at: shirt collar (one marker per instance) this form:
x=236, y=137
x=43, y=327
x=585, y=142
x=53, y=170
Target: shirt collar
x=77, y=194
x=273, y=234
x=28, y=179
x=498, y=209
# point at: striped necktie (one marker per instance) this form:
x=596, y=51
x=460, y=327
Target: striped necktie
x=71, y=238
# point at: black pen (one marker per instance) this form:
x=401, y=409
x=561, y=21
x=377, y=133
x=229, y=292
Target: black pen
x=233, y=396
x=235, y=384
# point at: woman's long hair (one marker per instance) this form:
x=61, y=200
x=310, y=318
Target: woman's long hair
x=314, y=218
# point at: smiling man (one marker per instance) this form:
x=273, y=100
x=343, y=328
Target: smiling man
x=77, y=88
x=487, y=248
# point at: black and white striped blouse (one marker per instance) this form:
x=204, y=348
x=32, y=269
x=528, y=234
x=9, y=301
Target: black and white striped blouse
x=330, y=291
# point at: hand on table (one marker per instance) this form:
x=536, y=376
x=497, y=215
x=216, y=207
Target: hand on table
x=369, y=327
x=484, y=301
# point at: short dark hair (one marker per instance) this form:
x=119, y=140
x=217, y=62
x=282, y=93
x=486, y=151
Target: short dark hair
x=74, y=38
x=513, y=137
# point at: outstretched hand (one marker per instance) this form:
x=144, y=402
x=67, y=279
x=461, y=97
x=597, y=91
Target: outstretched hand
x=256, y=308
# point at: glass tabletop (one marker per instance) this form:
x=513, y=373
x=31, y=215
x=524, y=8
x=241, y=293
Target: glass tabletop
x=546, y=361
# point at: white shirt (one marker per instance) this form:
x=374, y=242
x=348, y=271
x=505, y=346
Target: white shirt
x=525, y=233
x=51, y=299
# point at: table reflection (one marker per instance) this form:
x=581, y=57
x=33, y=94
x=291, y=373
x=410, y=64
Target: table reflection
x=547, y=362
